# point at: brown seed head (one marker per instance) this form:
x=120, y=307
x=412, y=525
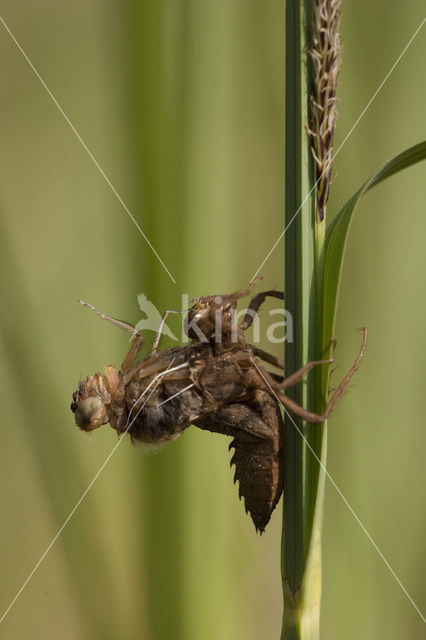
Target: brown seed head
x=326, y=56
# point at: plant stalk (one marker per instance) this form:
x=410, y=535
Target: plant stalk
x=304, y=236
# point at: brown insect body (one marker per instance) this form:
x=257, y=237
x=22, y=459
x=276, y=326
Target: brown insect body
x=210, y=384
x=216, y=385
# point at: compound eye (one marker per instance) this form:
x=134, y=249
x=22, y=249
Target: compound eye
x=90, y=413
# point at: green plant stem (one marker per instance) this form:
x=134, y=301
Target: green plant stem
x=303, y=484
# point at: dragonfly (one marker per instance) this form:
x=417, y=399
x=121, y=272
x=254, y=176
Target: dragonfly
x=217, y=382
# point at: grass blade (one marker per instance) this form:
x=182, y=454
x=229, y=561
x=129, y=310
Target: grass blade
x=337, y=234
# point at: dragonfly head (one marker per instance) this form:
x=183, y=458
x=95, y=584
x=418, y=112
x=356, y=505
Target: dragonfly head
x=92, y=399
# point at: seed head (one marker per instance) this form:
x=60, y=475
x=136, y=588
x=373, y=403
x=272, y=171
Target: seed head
x=326, y=56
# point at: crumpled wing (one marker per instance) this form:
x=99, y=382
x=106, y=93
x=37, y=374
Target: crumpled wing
x=258, y=434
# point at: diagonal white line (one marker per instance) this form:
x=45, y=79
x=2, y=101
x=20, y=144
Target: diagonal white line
x=95, y=477
x=95, y=162
x=342, y=144
x=342, y=496
x=178, y=393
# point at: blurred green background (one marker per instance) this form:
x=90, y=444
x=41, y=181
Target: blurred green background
x=182, y=104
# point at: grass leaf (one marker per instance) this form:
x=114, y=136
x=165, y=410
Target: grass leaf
x=337, y=234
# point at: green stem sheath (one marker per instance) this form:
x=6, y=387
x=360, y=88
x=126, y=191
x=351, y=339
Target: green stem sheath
x=303, y=477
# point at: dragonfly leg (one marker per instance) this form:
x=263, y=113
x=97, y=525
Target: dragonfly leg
x=300, y=373
x=160, y=329
x=295, y=408
x=228, y=298
x=118, y=323
x=132, y=353
x=295, y=377
x=137, y=338
x=268, y=357
x=255, y=304
x=342, y=386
